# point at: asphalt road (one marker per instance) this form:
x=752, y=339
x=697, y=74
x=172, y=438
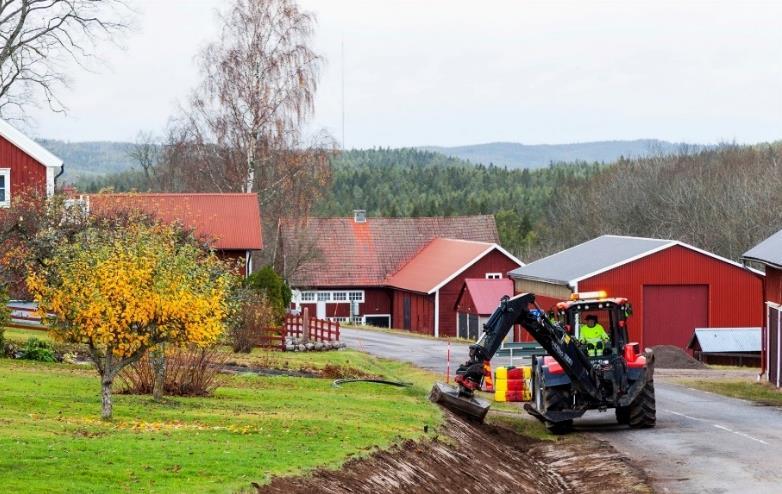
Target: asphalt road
x=703, y=443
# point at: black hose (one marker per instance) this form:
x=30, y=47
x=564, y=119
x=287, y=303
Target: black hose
x=398, y=384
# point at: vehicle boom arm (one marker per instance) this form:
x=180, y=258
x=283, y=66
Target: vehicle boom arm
x=552, y=337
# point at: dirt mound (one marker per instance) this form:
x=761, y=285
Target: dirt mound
x=672, y=357
x=475, y=458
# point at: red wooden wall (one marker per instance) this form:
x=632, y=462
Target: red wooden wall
x=464, y=302
x=494, y=262
x=26, y=173
x=421, y=312
x=735, y=294
x=773, y=285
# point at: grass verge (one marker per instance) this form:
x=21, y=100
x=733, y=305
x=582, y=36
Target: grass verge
x=762, y=393
x=252, y=428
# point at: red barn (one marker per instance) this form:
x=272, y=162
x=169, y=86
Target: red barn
x=231, y=223
x=25, y=166
x=477, y=300
x=769, y=254
x=673, y=287
x=404, y=273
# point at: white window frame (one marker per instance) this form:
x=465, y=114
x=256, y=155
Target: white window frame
x=354, y=292
x=6, y=172
x=493, y=276
x=308, y=296
x=324, y=297
x=339, y=296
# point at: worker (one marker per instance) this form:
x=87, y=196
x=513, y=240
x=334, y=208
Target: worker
x=594, y=336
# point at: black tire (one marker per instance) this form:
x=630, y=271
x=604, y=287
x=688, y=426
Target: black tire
x=555, y=399
x=622, y=415
x=642, y=411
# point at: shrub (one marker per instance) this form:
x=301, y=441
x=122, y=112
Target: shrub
x=268, y=282
x=252, y=316
x=40, y=350
x=190, y=371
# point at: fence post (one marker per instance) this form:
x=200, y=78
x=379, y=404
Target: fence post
x=305, y=325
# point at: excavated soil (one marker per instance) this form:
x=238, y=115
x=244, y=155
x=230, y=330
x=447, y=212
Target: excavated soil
x=672, y=357
x=470, y=458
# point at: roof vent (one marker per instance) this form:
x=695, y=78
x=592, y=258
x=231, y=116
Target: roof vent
x=360, y=215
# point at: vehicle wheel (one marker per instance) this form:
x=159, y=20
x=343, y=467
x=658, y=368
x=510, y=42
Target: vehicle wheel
x=642, y=411
x=623, y=415
x=555, y=399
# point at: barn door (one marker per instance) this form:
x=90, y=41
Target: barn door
x=462, y=325
x=773, y=346
x=406, y=311
x=474, y=325
x=672, y=312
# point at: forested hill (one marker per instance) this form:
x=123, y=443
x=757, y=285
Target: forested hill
x=84, y=159
x=516, y=155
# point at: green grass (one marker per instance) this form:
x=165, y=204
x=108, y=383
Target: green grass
x=762, y=393
x=252, y=428
x=20, y=336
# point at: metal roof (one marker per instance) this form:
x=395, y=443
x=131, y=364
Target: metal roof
x=717, y=340
x=589, y=258
x=232, y=221
x=768, y=251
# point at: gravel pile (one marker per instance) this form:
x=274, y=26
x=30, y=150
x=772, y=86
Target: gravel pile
x=672, y=357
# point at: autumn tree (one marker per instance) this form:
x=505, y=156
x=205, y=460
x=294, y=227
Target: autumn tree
x=41, y=36
x=121, y=289
x=242, y=128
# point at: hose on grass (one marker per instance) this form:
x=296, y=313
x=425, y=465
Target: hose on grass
x=399, y=384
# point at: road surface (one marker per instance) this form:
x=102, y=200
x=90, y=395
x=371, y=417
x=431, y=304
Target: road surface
x=703, y=443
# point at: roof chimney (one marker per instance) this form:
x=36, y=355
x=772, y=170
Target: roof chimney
x=360, y=215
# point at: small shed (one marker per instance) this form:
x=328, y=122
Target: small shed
x=726, y=346
x=673, y=287
x=768, y=254
x=476, y=301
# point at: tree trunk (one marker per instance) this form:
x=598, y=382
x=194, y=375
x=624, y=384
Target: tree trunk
x=159, y=366
x=106, y=396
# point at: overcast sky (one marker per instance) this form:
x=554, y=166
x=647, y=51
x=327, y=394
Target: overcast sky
x=437, y=72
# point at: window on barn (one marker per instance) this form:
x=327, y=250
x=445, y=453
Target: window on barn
x=356, y=296
x=324, y=296
x=307, y=296
x=339, y=296
x=493, y=276
x=5, y=187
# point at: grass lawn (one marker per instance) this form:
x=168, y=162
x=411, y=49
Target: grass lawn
x=738, y=388
x=253, y=427
x=20, y=336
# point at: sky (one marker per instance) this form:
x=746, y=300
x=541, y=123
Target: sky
x=453, y=72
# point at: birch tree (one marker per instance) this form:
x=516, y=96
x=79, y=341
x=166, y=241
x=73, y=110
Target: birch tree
x=40, y=37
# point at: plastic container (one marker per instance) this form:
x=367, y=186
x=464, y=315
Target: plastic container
x=500, y=384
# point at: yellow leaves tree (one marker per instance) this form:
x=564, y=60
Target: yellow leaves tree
x=125, y=288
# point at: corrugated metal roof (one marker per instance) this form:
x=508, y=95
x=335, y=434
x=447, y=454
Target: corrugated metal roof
x=768, y=251
x=718, y=340
x=365, y=254
x=588, y=258
x=438, y=261
x=232, y=221
x=486, y=294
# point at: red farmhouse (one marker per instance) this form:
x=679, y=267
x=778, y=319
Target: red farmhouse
x=231, y=222
x=769, y=254
x=25, y=166
x=672, y=286
x=391, y=272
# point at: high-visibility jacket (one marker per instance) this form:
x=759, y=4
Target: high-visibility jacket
x=595, y=337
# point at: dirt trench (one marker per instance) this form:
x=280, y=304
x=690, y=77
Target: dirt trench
x=471, y=458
